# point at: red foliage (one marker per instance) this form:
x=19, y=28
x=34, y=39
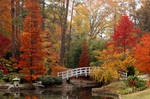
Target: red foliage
x=84, y=57
x=142, y=54
x=31, y=60
x=4, y=70
x=125, y=35
x=4, y=44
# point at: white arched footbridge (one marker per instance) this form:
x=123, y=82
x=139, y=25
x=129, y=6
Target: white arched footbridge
x=84, y=71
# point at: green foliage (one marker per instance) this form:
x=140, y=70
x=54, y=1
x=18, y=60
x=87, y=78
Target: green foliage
x=134, y=81
x=131, y=71
x=96, y=45
x=1, y=74
x=75, y=51
x=9, y=77
x=50, y=80
x=74, y=54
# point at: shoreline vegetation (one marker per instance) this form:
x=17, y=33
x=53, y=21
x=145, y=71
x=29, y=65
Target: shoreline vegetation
x=122, y=91
x=114, y=89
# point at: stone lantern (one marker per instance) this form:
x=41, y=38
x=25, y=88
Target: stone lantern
x=16, y=82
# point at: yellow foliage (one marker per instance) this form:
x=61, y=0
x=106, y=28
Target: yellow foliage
x=5, y=18
x=112, y=63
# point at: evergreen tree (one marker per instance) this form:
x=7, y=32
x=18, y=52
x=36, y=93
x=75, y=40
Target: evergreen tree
x=84, y=57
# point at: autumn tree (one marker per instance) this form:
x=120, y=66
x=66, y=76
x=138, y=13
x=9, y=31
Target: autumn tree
x=31, y=61
x=84, y=57
x=125, y=35
x=142, y=54
x=11, y=23
x=112, y=63
x=63, y=34
x=5, y=18
x=143, y=18
x=54, y=16
x=90, y=19
x=13, y=27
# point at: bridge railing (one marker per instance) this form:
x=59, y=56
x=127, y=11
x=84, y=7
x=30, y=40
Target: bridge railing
x=81, y=71
x=74, y=72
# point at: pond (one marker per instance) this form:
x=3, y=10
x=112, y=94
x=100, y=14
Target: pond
x=82, y=93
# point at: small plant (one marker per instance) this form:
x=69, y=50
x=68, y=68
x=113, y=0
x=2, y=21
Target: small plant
x=136, y=83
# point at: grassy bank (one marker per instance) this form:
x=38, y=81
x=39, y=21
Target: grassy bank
x=145, y=94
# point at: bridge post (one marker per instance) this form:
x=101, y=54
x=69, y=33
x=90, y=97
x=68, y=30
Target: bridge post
x=80, y=71
x=64, y=81
x=62, y=75
x=76, y=74
x=67, y=75
x=85, y=72
x=89, y=70
x=71, y=73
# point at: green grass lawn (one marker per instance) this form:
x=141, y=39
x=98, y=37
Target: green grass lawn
x=145, y=94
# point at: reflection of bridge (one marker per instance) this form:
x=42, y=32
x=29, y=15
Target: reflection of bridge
x=80, y=72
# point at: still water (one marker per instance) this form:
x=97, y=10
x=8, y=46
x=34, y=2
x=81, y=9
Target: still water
x=82, y=93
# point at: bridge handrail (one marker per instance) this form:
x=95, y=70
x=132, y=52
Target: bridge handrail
x=80, y=71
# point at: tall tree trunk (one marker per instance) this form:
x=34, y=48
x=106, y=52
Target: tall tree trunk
x=13, y=28
x=22, y=13
x=70, y=28
x=70, y=33
x=62, y=49
x=43, y=14
x=18, y=26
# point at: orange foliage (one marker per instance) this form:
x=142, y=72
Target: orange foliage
x=56, y=69
x=142, y=54
x=31, y=97
x=31, y=60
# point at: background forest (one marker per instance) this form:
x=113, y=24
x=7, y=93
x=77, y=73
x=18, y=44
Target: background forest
x=61, y=34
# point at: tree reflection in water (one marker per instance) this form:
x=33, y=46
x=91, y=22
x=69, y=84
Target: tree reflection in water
x=81, y=93
x=31, y=97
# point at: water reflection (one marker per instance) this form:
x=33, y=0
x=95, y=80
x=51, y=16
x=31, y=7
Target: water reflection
x=75, y=94
x=16, y=95
x=31, y=97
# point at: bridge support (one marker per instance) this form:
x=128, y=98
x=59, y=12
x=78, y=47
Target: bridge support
x=64, y=81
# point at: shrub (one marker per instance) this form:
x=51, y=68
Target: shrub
x=50, y=80
x=9, y=77
x=134, y=81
